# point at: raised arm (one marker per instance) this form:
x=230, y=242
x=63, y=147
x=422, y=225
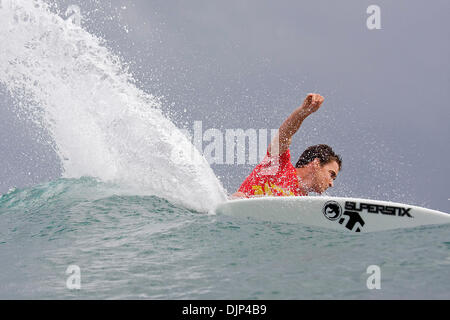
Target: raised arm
x=290, y=126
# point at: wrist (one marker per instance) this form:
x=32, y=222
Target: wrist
x=303, y=112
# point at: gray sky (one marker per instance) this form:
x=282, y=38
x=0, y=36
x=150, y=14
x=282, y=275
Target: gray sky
x=248, y=64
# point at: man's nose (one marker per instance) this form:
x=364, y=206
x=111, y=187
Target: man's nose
x=331, y=183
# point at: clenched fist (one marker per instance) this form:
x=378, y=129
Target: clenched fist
x=312, y=103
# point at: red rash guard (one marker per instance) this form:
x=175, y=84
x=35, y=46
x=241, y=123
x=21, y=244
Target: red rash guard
x=270, y=178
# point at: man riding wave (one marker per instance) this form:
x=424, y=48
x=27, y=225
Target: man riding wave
x=315, y=170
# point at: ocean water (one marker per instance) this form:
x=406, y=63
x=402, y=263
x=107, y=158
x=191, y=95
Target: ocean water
x=87, y=107
x=145, y=247
x=134, y=207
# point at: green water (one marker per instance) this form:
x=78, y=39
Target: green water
x=144, y=247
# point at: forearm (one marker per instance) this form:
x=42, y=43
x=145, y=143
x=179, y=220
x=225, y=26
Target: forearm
x=291, y=125
x=288, y=128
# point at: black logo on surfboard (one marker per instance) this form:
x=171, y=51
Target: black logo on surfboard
x=332, y=210
x=352, y=221
x=376, y=208
x=351, y=218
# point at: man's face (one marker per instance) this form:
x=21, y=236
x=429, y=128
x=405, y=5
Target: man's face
x=324, y=175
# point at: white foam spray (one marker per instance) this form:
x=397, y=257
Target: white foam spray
x=101, y=123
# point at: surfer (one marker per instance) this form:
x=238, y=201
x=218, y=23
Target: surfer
x=315, y=170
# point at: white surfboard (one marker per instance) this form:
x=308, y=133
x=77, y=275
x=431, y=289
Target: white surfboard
x=346, y=214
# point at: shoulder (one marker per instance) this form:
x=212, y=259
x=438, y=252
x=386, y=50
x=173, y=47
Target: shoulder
x=273, y=163
x=284, y=155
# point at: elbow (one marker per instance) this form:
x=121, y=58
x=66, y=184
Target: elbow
x=238, y=195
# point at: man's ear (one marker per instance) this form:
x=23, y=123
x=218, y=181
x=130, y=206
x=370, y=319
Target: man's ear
x=316, y=163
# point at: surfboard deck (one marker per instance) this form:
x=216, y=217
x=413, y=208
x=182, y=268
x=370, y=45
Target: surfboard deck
x=346, y=214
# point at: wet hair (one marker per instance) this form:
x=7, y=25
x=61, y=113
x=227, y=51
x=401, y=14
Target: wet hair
x=321, y=151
